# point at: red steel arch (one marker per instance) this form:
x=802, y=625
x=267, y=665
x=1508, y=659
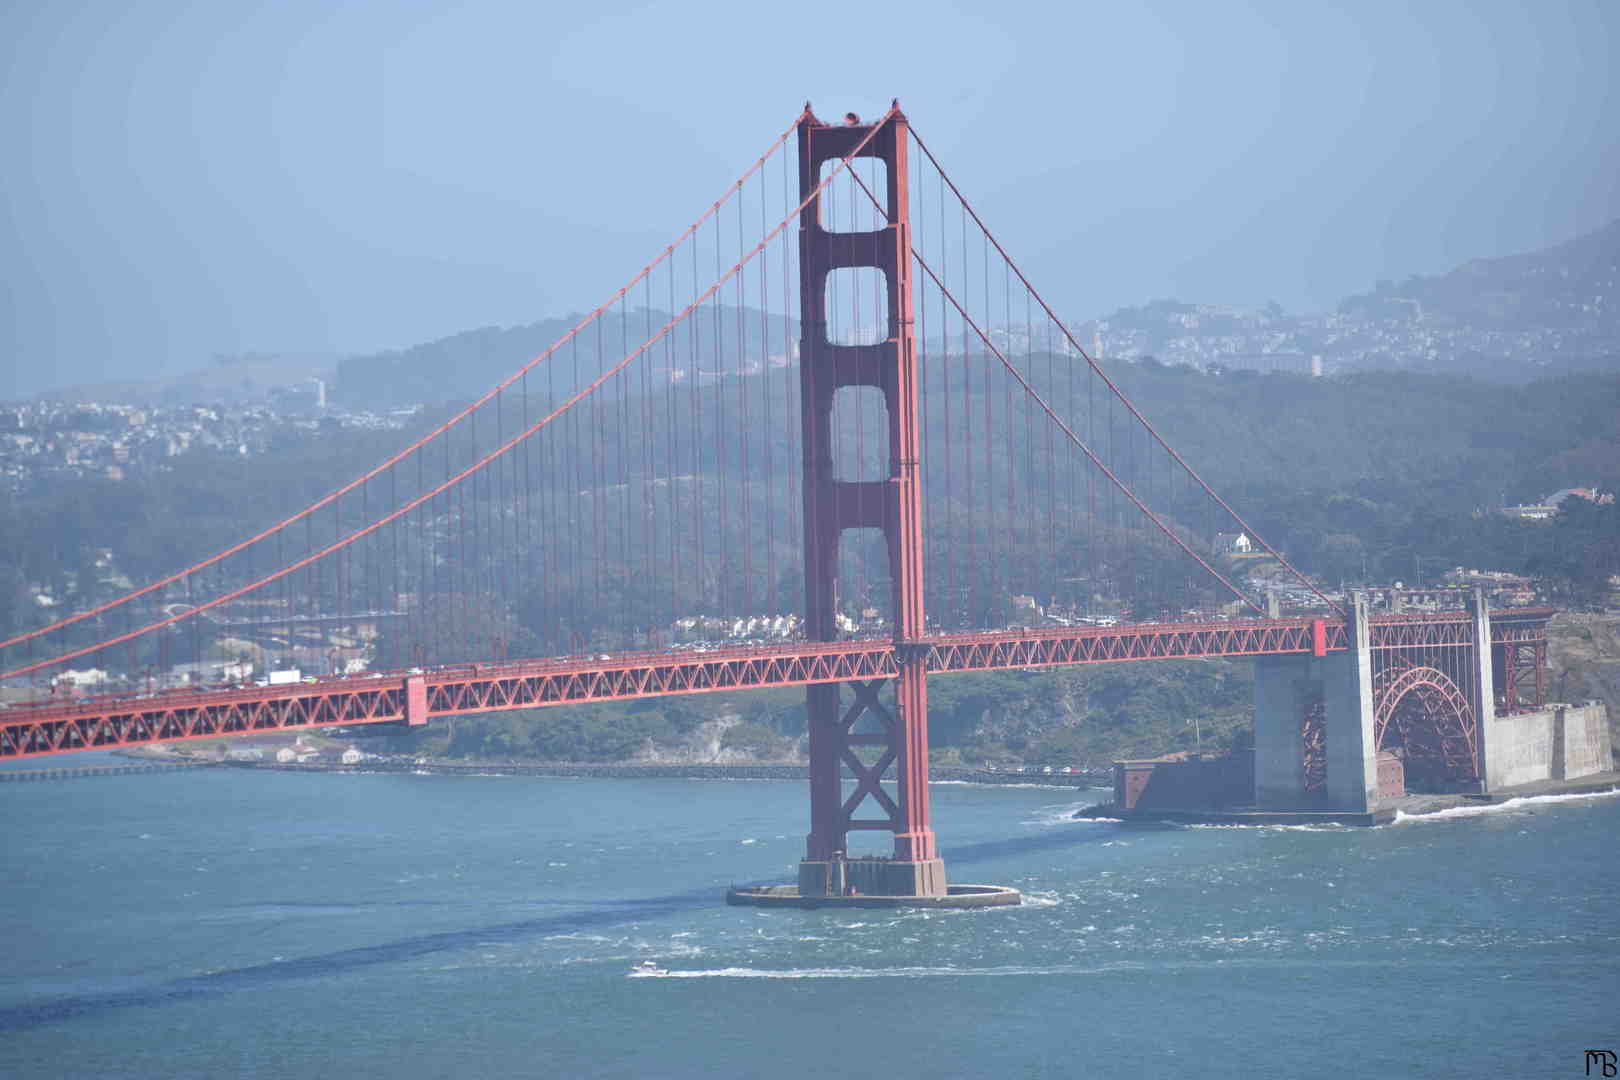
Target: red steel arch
x=1422, y=710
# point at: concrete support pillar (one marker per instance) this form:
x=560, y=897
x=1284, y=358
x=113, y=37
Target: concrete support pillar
x=1559, y=769
x=1482, y=682
x=1284, y=688
x=1352, y=769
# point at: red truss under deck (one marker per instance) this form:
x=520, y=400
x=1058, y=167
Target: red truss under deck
x=1519, y=625
x=1143, y=641
x=107, y=722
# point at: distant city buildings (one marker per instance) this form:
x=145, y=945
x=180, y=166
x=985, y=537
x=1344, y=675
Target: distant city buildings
x=45, y=441
x=1209, y=337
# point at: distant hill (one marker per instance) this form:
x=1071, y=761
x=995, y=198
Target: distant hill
x=461, y=366
x=246, y=378
x=466, y=365
x=1510, y=319
x=1574, y=285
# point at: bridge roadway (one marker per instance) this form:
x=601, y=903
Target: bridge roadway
x=415, y=697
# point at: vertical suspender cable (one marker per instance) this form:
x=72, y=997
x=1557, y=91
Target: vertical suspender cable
x=927, y=485
x=602, y=551
x=575, y=523
x=695, y=391
x=954, y=600
x=623, y=492
x=794, y=420
x=672, y=461
x=768, y=431
x=746, y=600
x=648, y=434
x=999, y=582
x=722, y=521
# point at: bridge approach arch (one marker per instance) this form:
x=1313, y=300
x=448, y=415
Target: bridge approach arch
x=1422, y=716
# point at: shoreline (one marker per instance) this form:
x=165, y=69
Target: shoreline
x=627, y=770
x=1408, y=806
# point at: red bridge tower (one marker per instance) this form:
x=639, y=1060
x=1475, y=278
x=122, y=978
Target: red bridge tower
x=894, y=505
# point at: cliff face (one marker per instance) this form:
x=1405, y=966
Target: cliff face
x=716, y=742
x=1583, y=662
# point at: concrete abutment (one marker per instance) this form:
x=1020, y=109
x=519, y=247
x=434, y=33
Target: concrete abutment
x=1286, y=688
x=1555, y=742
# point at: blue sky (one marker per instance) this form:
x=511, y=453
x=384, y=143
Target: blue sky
x=185, y=179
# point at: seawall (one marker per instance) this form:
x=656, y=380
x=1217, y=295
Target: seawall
x=1556, y=742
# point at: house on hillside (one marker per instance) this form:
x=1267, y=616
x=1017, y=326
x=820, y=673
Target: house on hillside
x=1234, y=543
x=1591, y=495
x=1548, y=508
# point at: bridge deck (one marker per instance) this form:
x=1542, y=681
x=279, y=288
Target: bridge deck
x=105, y=722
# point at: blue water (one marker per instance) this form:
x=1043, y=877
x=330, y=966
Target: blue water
x=238, y=923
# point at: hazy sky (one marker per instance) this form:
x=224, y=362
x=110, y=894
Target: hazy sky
x=182, y=179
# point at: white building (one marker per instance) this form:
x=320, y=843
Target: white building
x=79, y=679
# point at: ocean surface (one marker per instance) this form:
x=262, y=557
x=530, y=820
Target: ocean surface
x=267, y=924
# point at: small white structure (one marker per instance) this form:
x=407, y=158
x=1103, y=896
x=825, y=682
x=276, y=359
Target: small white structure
x=286, y=755
x=78, y=679
x=1234, y=543
x=352, y=756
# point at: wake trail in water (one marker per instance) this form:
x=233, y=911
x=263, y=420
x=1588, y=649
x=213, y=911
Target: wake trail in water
x=887, y=973
x=1519, y=803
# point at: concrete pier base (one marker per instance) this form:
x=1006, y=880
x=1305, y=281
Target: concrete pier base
x=871, y=881
x=956, y=896
x=872, y=876
x=1339, y=685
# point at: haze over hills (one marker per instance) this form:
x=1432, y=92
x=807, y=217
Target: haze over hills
x=1509, y=318
x=240, y=378
x=1573, y=286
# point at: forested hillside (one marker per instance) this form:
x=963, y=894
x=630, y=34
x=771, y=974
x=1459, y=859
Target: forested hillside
x=1571, y=286
x=1356, y=478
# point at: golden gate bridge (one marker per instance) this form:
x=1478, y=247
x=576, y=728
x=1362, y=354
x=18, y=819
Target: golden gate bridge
x=836, y=401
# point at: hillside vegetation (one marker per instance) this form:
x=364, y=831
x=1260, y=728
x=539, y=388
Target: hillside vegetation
x=1583, y=663
x=1084, y=717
